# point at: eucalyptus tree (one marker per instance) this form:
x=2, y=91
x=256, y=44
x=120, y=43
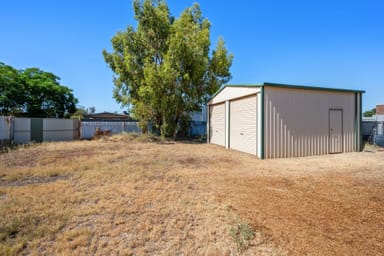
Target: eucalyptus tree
x=164, y=68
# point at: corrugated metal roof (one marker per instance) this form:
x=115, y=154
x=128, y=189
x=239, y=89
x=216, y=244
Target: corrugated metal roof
x=305, y=87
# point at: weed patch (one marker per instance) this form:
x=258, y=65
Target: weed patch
x=242, y=234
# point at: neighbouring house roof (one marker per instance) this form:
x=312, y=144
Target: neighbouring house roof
x=379, y=109
x=106, y=116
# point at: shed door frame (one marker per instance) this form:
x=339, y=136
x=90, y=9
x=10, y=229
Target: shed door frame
x=336, y=130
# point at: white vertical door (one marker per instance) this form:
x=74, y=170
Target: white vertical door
x=217, y=124
x=335, y=131
x=243, y=125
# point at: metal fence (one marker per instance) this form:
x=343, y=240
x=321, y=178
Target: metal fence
x=373, y=132
x=198, y=128
x=88, y=128
x=5, y=130
x=20, y=130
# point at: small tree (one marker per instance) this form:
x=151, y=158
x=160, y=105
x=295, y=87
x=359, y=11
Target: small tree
x=164, y=68
x=370, y=113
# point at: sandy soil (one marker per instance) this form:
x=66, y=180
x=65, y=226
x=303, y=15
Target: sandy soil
x=326, y=205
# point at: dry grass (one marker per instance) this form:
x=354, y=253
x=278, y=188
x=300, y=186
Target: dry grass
x=134, y=195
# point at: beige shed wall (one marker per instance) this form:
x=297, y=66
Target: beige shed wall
x=296, y=121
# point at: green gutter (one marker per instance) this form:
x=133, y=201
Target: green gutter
x=262, y=122
x=356, y=123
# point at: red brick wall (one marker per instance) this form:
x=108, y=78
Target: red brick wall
x=380, y=109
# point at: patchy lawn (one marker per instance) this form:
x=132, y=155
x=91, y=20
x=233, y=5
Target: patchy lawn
x=131, y=195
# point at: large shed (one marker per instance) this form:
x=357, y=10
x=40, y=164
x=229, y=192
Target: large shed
x=278, y=120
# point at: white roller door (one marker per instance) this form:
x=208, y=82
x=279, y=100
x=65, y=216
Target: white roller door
x=243, y=125
x=217, y=124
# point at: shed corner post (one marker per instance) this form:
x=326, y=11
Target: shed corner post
x=227, y=124
x=358, y=122
x=208, y=122
x=262, y=123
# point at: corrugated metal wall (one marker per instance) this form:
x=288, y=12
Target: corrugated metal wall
x=297, y=121
x=88, y=128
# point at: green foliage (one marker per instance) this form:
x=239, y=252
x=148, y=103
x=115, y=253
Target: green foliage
x=34, y=92
x=370, y=113
x=242, y=233
x=164, y=68
x=11, y=89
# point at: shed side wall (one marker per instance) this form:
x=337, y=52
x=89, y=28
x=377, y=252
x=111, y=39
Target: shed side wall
x=297, y=121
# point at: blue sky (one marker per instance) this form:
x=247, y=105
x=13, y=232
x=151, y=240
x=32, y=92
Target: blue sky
x=326, y=43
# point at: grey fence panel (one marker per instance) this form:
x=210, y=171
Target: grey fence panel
x=379, y=140
x=368, y=127
x=88, y=128
x=5, y=130
x=22, y=130
x=55, y=129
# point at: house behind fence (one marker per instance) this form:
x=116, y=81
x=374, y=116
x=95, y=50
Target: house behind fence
x=373, y=127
